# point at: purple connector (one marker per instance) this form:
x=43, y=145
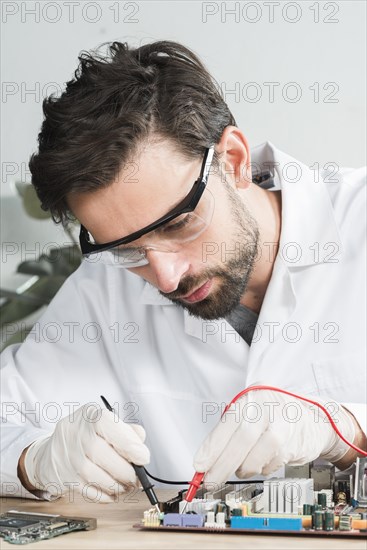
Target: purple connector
x=192, y=520
x=172, y=520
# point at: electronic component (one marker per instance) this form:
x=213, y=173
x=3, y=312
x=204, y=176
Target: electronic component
x=152, y=518
x=266, y=523
x=318, y=520
x=24, y=527
x=297, y=471
x=183, y=520
x=286, y=495
x=360, y=482
x=345, y=522
x=329, y=520
x=198, y=477
x=323, y=476
x=288, y=505
x=172, y=505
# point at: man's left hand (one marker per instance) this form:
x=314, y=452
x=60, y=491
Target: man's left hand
x=265, y=430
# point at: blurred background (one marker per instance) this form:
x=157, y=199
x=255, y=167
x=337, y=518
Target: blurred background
x=293, y=73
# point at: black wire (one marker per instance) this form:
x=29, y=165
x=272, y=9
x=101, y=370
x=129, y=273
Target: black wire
x=167, y=482
x=234, y=482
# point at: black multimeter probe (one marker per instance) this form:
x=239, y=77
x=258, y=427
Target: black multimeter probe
x=140, y=472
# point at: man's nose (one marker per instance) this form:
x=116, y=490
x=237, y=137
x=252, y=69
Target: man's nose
x=167, y=269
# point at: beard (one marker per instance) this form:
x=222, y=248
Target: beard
x=233, y=276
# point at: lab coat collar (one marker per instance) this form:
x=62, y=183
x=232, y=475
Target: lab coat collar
x=309, y=228
x=307, y=218
x=194, y=326
x=151, y=296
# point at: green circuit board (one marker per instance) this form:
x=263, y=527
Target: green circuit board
x=23, y=527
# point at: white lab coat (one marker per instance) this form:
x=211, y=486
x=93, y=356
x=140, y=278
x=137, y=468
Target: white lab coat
x=108, y=332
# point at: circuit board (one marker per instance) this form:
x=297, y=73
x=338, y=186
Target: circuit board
x=233, y=531
x=24, y=527
x=230, y=522
x=316, y=505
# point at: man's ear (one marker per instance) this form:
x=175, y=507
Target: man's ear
x=235, y=157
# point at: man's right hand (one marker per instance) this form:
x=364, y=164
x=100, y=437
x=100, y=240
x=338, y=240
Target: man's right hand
x=90, y=449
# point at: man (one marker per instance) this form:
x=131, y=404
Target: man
x=208, y=268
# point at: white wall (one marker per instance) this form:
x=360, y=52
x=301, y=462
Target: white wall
x=261, y=47
x=40, y=49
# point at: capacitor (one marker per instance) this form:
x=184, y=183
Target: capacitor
x=329, y=519
x=321, y=499
x=318, y=520
x=314, y=508
x=307, y=509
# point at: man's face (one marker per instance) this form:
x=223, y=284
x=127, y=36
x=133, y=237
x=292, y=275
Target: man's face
x=206, y=276
x=219, y=288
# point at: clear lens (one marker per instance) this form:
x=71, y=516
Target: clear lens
x=184, y=228
x=128, y=257
x=169, y=238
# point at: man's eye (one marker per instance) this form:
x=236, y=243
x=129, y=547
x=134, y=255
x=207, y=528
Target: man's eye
x=177, y=223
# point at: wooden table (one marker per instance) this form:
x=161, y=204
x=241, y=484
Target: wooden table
x=115, y=529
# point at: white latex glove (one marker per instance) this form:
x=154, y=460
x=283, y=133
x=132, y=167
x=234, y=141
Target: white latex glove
x=91, y=446
x=262, y=431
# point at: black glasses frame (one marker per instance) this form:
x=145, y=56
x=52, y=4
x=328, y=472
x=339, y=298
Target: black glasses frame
x=188, y=204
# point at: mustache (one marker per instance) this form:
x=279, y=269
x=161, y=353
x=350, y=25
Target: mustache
x=189, y=283
x=192, y=282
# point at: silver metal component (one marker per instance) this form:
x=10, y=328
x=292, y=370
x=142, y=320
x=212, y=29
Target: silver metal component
x=360, y=482
x=184, y=507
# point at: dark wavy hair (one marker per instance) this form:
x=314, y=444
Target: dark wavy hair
x=113, y=103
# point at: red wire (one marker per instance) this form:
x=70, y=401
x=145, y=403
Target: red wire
x=334, y=426
x=198, y=477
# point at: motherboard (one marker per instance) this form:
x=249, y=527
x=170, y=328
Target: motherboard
x=309, y=500
x=25, y=527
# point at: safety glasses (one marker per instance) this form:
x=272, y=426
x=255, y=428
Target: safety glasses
x=184, y=223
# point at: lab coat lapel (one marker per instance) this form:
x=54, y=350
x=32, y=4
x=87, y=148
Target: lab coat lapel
x=309, y=231
x=193, y=325
x=308, y=222
x=278, y=306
